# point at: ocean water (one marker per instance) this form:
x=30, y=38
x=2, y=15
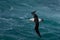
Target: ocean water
x=15, y=24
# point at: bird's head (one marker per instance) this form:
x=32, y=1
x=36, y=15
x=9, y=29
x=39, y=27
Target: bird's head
x=33, y=12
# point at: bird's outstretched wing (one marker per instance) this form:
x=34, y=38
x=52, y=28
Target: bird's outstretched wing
x=37, y=31
x=36, y=20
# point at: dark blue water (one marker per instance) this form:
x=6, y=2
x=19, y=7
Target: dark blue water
x=15, y=24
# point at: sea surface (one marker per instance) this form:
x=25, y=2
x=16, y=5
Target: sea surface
x=15, y=15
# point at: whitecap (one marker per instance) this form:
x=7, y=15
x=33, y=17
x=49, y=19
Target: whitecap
x=26, y=4
x=6, y=19
x=21, y=17
x=6, y=28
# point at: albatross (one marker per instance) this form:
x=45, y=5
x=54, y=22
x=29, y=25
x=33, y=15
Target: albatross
x=36, y=21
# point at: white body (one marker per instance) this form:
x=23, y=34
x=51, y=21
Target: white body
x=32, y=19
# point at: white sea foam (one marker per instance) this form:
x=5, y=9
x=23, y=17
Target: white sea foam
x=26, y=4
x=6, y=19
x=21, y=17
x=6, y=28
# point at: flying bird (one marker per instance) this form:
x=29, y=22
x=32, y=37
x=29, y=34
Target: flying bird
x=36, y=21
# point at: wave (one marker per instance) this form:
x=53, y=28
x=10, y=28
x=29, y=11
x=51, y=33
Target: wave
x=8, y=36
x=25, y=4
x=11, y=8
x=15, y=15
